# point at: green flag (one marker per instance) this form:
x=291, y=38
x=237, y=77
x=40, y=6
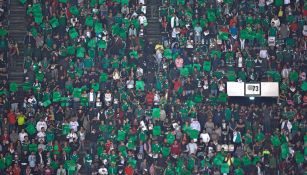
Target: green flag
x=156, y=130
x=34, y=32
x=217, y=53
x=3, y=32
x=38, y=19
x=207, y=66
x=156, y=113
x=92, y=43
x=71, y=50
x=239, y=171
x=102, y=44
x=46, y=103
x=23, y=2
x=77, y=92
x=304, y=86
x=80, y=52
x=279, y=3
x=244, y=34
x=225, y=168
x=98, y=27
x=54, y=22
x=89, y=21
x=139, y=85
x=56, y=96
x=64, y=101
x=103, y=77
x=275, y=140
x=284, y=151
x=13, y=87
x=184, y=72
x=299, y=157
x=74, y=10
x=167, y=53
x=193, y=133
x=166, y=151
x=121, y=135
x=30, y=129
x=95, y=86
x=223, y=36
x=134, y=54
x=211, y=15
x=73, y=33
x=170, y=138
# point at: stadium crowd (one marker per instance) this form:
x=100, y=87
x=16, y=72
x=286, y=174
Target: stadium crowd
x=99, y=98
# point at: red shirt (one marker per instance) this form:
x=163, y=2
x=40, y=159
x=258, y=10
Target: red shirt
x=129, y=170
x=108, y=146
x=48, y=171
x=5, y=137
x=119, y=115
x=175, y=149
x=11, y=118
x=149, y=98
x=16, y=171
x=177, y=85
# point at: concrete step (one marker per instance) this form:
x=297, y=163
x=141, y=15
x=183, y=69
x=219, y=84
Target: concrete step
x=17, y=30
x=17, y=22
x=153, y=20
x=18, y=80
x=153, y=27
x=16, y=2
x=150, y=33
x=18, y=9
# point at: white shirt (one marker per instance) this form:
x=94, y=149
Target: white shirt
x=195, y=125
x=74, y=125
x=286, y=1
x=175, y=32
x=41, y=136
x=103, y=171
x=142, y=19
x=276, y=22
x=91, y=96
x=221, y=87
x=263, y=54
x=71, y=137
x=108, y=97
x=192, y=148
x=22, y=136
x=205, y=137
x=40, y=125
x=130, y=84
x=139, y=72
x=174, y=20
x=288, y=125
x=157, y=99
x=240, y=62
x=285, y=73
x=32, y=100
x=206, y=84
x=82, y=136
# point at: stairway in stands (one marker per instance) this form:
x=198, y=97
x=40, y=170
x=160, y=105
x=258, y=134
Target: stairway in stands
x=154, y=26
x=17, y=31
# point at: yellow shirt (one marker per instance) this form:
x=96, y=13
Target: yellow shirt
x=21, y=119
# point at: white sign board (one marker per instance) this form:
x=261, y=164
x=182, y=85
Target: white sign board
x=252, y=89
x=257, y=89
x=235, y=89
x=269, y=89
